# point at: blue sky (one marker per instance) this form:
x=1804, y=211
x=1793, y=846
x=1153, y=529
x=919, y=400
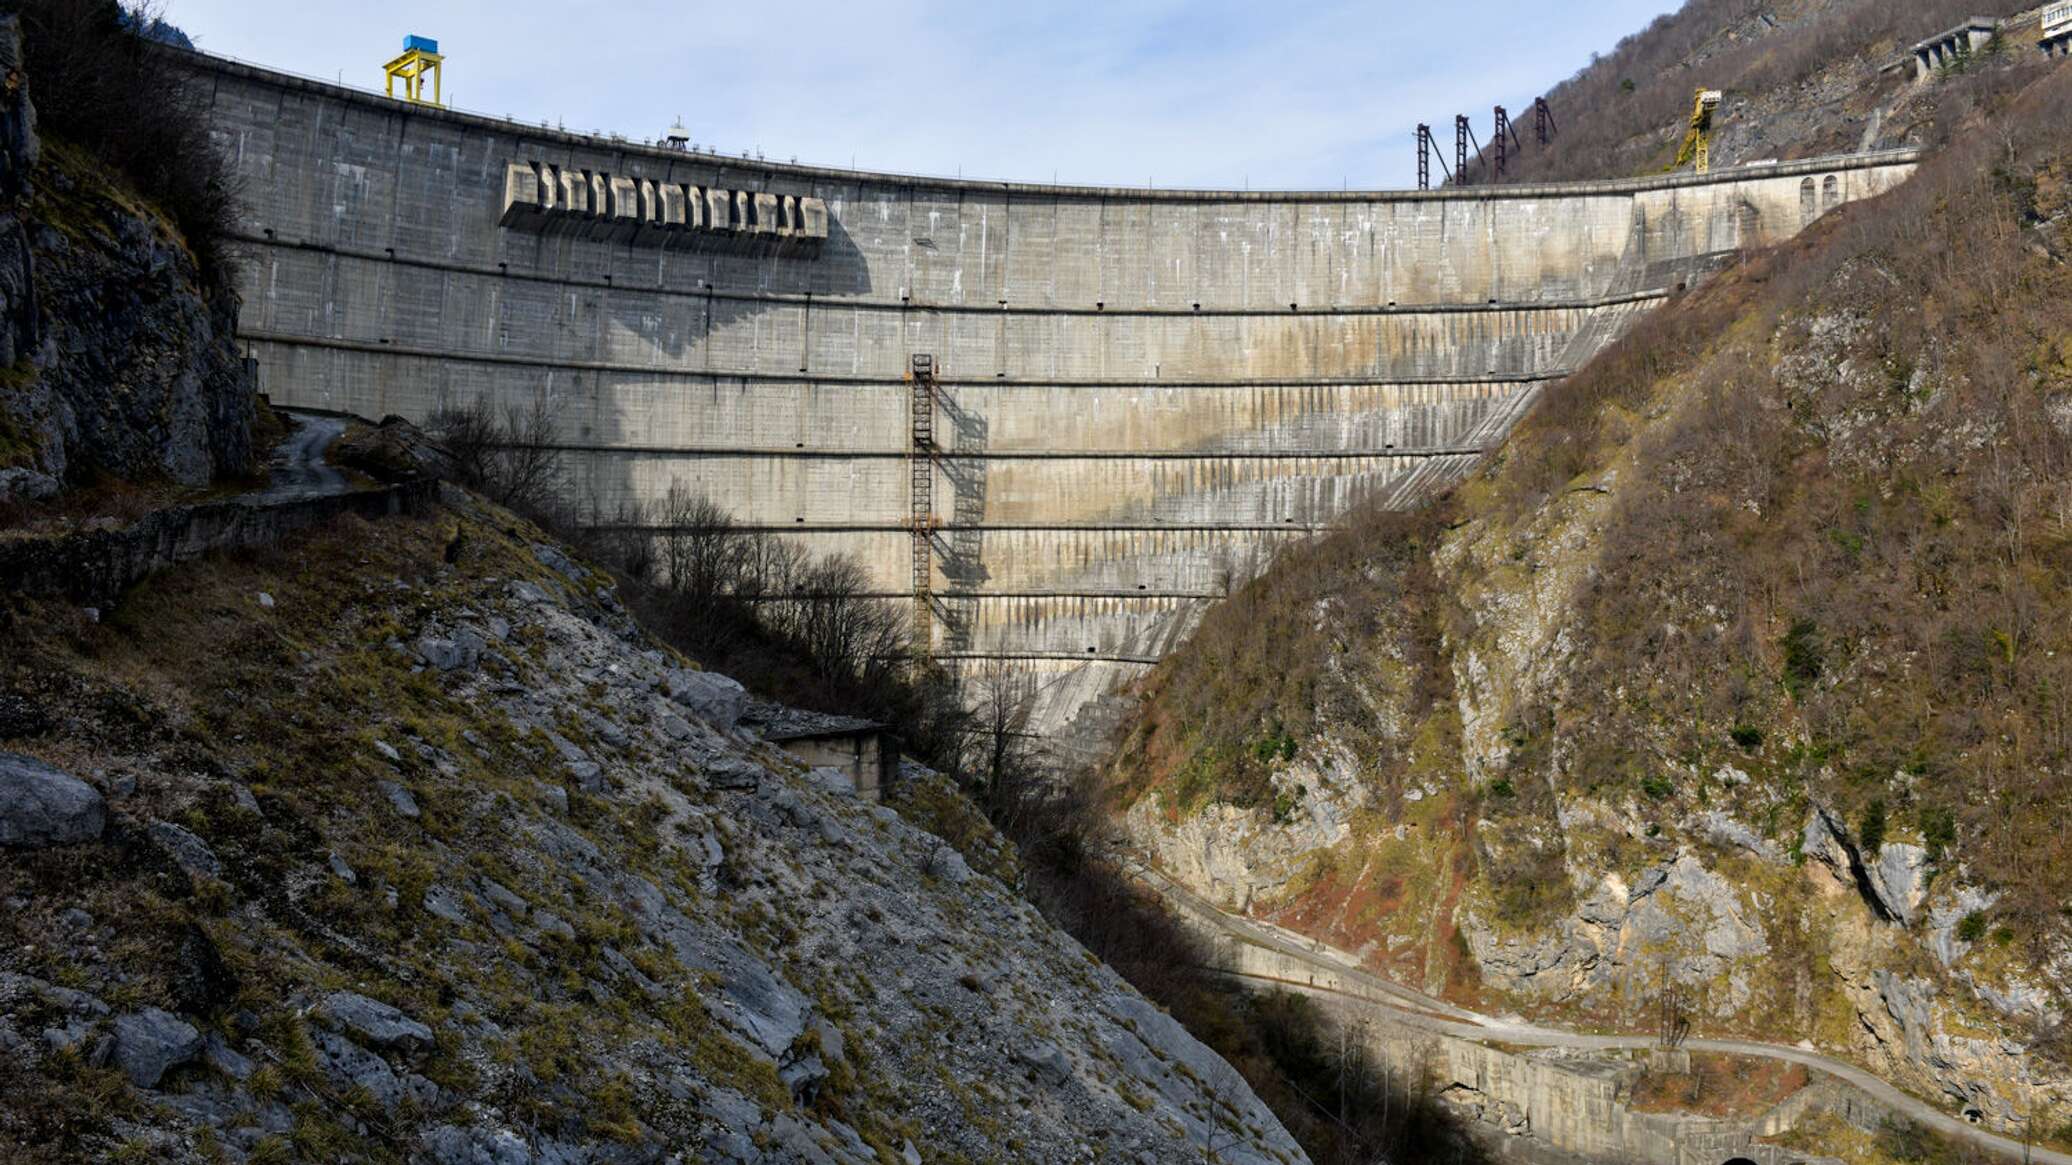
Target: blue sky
x=1226, y=93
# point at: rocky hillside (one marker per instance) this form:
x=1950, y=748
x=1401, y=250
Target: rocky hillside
x=404, y=842
x=1740, y=667
x=1800, y=78
x=116, y=351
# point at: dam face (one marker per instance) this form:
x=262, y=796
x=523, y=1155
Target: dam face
x=1142, y=393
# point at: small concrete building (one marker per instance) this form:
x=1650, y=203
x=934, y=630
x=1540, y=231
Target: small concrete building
x=1947, y=48
x=863, y=751
x=2056, y=29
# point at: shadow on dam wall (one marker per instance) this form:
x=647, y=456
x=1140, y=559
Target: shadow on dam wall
x=1145, y=393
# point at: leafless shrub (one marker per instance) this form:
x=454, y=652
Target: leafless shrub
x=999, y=754
x=703, y=555
x=510, y=456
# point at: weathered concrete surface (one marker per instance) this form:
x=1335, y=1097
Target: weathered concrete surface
x=1145, y=392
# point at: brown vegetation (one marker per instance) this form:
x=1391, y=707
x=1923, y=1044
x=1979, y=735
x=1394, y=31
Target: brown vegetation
x=1720, y=1085
x=1875, y=501
x=1834, y=556
x=1287, y=654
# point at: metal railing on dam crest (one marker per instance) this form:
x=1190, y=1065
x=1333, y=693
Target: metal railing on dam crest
x=1137, y=395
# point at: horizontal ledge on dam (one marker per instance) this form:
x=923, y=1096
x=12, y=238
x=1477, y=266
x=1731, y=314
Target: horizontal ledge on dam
x=1099, y=308
x=230, y=66
x=1003, y=527
x=1063, y=656
x=703, y=374
x=783, y=454
x=964, y=596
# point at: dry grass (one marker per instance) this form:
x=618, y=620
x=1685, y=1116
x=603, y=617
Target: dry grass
x=1720, y=1086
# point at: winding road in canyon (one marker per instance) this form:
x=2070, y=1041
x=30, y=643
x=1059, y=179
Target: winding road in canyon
x=1404, y=1006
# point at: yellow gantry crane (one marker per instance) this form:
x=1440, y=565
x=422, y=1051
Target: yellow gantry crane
x=1697, y=143
x=420, y=60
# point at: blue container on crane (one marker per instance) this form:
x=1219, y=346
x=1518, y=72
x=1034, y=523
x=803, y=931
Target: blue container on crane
x=421, y=44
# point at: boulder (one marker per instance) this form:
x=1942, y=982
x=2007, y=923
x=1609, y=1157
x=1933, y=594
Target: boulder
x=732, y=772
x=553, y=559
x=374, y=1021
x=351, y=1066
x=187, y=851
x=949, y=865
x=1045, y=1061
x=460, y=652
x=27, y=485
x=714, y=698
x=151, y=1042
x=42, y=806
x=400, y=800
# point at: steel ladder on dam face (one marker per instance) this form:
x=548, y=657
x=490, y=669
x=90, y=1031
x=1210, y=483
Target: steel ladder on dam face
x=921, y=470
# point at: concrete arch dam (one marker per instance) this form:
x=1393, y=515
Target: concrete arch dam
x=1142, y=393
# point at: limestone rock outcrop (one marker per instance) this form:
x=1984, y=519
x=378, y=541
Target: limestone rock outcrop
x=117, y=353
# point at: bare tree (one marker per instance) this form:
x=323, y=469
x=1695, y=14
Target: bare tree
x=511, y=457
x=1672, y=1016
x=1351, y=1068
x=1002, y=697
x=840, y=627
x=702, y=550
x=623, y=540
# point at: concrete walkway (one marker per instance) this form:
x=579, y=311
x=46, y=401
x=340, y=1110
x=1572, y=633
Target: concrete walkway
x=297, y=469
x=1417, y=1010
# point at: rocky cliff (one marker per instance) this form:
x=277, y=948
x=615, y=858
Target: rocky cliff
x=1738, y=668
x=404, y=842
x=116, y=349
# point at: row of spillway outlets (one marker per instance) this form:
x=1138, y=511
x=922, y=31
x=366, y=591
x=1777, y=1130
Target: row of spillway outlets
x=611, y=208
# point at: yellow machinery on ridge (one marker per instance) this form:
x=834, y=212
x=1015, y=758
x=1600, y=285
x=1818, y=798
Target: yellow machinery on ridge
x=1697, y=143
x=420, y=60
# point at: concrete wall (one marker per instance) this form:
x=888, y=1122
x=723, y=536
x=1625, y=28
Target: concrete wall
x=1144, y=392
x=865, y=758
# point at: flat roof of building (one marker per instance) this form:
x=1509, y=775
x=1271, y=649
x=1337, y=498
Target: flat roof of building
x=780, y=723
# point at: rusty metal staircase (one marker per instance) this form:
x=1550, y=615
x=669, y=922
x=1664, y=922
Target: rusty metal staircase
x=922, y=522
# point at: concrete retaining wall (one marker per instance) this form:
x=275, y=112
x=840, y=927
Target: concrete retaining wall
x=1144, y=391
x=94, y=567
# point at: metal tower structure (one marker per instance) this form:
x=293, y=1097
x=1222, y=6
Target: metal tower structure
x=1503, y=133
x=420, y=60
x=1543, y=127
x=1506, y=137
x=1461, y=133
